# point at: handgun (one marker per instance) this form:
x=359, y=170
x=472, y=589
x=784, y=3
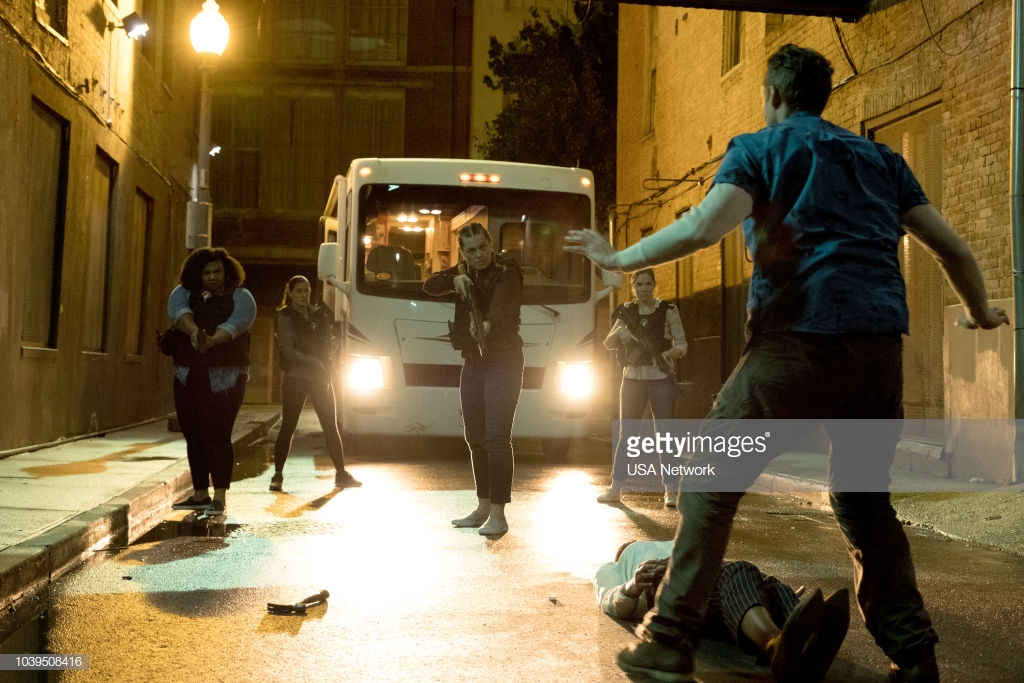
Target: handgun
x=475, y=317
x=299, y=608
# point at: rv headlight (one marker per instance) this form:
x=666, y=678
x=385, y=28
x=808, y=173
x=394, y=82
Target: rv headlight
x=577, y=379
x=365, y=373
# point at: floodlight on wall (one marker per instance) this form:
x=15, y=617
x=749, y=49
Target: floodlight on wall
x=134, y=25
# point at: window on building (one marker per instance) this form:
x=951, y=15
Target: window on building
x=299, y=162
x=235, y=170
x=732, y=25
x=53, y=14
x=96, y=286
x=149, y=10
x=137, y=266
x=306, y=30
x=249, y=21
x=169, y=44
x=377, y=30
x=373, y=123
x=918, y=138
x=44, y=224
x=651, y=69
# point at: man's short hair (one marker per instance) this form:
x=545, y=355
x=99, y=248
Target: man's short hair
x=802, y=76
x=618, y=553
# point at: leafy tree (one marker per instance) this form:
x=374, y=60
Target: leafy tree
x=559, y=79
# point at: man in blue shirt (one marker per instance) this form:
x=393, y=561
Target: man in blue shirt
x=823, y=211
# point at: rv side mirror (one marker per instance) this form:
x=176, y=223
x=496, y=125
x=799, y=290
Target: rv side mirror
x=327, y=265
x=327, y=261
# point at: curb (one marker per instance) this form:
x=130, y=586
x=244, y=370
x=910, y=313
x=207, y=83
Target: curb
x=813, y=492
x=27, y=567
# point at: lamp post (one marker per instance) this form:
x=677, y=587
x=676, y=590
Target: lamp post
x=209, y=34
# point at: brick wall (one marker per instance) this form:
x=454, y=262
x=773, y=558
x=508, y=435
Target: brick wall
x=85, y=78
x=891, y=63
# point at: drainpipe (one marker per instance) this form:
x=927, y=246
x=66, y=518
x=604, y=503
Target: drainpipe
x=1017, y=221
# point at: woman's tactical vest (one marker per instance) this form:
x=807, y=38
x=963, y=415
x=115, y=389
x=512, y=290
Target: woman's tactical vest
x=208, y=313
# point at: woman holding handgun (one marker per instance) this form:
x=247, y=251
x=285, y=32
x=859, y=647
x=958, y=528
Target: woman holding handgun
x=647, y=336
x=214, y=312
x=305, y=340
x=486, y=331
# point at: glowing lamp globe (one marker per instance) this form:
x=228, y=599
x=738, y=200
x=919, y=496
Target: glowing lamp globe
x=209, y=30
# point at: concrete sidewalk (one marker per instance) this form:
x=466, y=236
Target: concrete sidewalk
x=59, y=503
x=979, y=512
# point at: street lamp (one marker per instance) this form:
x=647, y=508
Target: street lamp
x=209, y=34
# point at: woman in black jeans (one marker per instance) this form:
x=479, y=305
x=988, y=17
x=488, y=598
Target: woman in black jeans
x=643, y=328
x=304, y=338
x=492, y=374
x=211, y=367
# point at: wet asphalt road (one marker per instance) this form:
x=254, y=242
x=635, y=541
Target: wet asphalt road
x=413, y=599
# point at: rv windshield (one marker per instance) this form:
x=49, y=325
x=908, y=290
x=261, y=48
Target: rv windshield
x=407, y=232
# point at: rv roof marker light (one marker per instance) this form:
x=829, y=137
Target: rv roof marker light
x=365, y=171
x=585, y=182
x=492, y=178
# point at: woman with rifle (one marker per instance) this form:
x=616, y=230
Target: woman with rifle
x=647, y=336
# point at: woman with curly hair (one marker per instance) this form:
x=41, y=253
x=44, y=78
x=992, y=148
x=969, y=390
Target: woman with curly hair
x=215, y=312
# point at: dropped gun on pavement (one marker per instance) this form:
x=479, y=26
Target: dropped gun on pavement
x=299, y=608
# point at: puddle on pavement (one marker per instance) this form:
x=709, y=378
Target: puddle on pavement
x=24, y=628
x=190, y=526
x=253, y=460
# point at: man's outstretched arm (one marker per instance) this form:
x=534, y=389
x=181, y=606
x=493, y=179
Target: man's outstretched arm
x=724, y=207
x=927, y=226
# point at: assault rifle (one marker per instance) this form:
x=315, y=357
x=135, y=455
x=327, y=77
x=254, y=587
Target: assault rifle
x=476, y=319
x=633, y=325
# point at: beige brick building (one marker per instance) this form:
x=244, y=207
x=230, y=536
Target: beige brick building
x=929, y=79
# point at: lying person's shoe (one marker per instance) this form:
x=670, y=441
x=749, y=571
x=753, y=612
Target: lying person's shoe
x=192, y=503
x=609, y=497
x=657, y=662
x=925, y=671
x=824, y=645
x=277, y=481
x=344, y=480
x=786, y=650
